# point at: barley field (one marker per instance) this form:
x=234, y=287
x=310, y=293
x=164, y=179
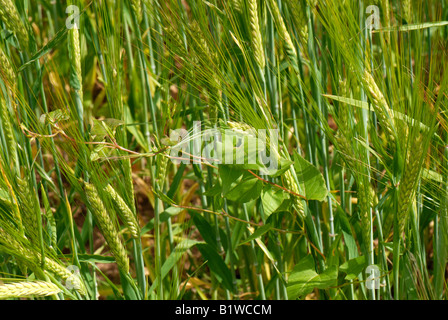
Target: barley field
x=223, y=149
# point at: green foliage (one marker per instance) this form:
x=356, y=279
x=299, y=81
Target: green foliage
x=348, y=128
x=303, y=278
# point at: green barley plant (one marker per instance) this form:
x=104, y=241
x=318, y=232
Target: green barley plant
x=27, y=289
x=107, y=226
x=13, y=23
x=238, y=150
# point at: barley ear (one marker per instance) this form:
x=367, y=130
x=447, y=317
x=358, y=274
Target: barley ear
x=7, y=123
x=27, y=208
x=50, y=218
x=61, y=271
x=107, y=227
x=128, y=183
x=284, y=34
x=33, y=258
x=367, y=198
x=10, y=17
x=28, y=289
x=386, y=11
x=9, y=78
x=380, y=105
x=241, y=127
x=123, y=210
x=7, y=72
x=206, y=58
x=75, y=60
x=409, y=181
x=175, y=41
x=162, y=165
x=364, y=204
x=407, y=12
x=136, y=6
x=257, y=45
x=5, y=202
x=16, y=248
x=345, y=149
x=300, y=18
x=237, y=5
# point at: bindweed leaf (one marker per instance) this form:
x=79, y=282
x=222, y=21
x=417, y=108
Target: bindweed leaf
x=310, y=179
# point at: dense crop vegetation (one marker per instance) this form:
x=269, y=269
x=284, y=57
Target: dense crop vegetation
x=106, y=193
